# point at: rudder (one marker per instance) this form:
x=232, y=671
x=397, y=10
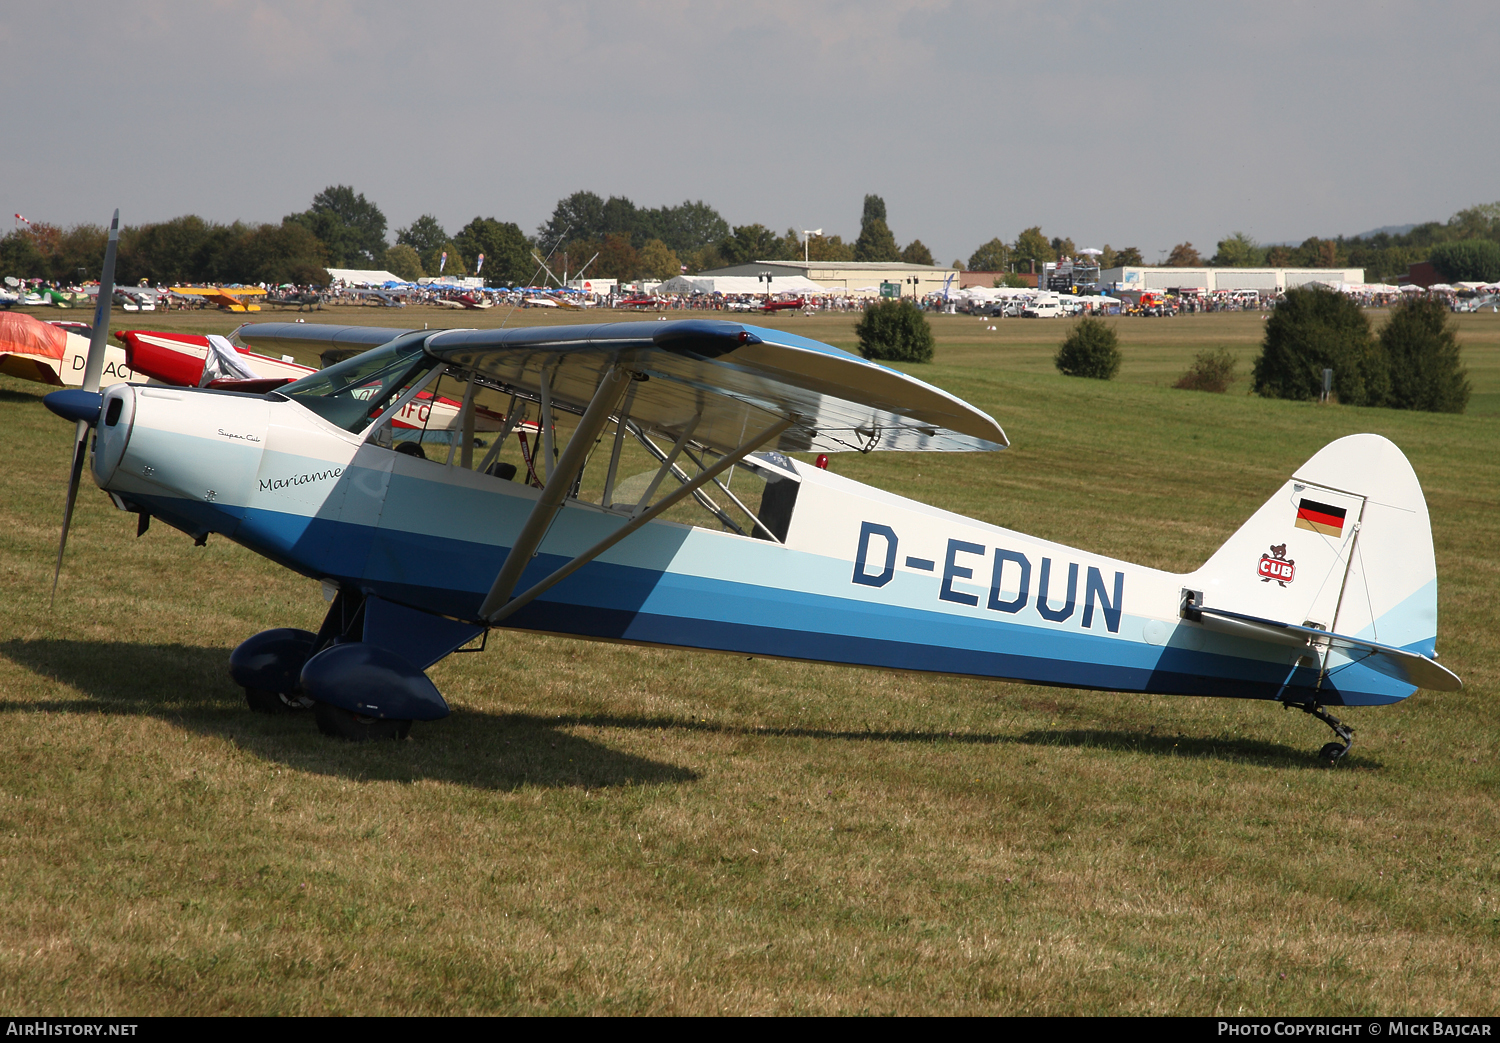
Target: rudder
x=1345, y=545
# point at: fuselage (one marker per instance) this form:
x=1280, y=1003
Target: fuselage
x=863, y=576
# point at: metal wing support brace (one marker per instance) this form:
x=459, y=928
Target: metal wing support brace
x=559, y=482
x=496, y=608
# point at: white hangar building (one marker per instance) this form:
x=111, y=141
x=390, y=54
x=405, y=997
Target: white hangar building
x=1268, y=280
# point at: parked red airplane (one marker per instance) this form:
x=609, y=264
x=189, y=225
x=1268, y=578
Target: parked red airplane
x=774, y=306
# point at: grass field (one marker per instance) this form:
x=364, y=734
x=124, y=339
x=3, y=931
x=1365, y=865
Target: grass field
x=607, y=829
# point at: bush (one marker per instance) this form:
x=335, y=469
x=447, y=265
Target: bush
x=1468, y=260
x=1210, y=371
x=1314, y=329
x=1090, y=349
x=895, y=331
x=1421, y=345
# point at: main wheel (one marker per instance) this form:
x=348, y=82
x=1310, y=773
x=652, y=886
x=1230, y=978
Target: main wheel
x=262, y=701
x=1333, y=752
x=339, y=723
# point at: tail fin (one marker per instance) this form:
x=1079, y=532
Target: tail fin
x=1344, y=546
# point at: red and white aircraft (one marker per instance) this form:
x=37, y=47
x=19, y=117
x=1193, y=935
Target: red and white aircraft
x=51, y=353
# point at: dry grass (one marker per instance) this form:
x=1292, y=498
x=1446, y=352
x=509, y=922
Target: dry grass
x=602, y=828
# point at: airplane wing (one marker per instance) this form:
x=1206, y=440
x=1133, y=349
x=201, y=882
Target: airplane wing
x=31, y=349
x=734, y=377
x=1410, y=667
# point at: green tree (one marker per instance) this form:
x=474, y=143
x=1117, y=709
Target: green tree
x=993, y=256
x=829, y=248
x=1476, y=222
x=684, y=228
x=1314, y=329
x=404, y=262
x=1468, y=260
x=1316, y=253
x=703, y=259
x=78, y=253
x=1238, y=250
x=895, y=331
x=579, y=216
x=1090, y=349
x=1421, y=346
x=174, y=251
x=288, y=252
x=1184, y=256
x=351, y=228
x=751, y=243
x=426, y=236
x=1032, y=246
x=875, y=242
x=507, y=253
x=1129, y=257
x=20, y=257
x=659, y=261
x=617, y=259
x=1012, y=280
x=917, y=253
x=620, y=217
x=1063, y=248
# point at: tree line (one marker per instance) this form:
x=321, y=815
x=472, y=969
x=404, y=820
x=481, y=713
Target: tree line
x=1464, y=248
x=615, y=238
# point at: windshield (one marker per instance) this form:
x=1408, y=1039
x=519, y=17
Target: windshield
x=353, y=392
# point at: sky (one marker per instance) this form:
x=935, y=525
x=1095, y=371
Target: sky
x=1133, y=124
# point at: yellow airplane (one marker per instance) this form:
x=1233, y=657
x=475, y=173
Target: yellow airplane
x=226, y=297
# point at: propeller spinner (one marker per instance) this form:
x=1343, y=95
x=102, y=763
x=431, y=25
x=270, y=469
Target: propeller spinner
x=77, y=404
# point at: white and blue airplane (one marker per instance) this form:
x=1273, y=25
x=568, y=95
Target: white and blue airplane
x=1327, y=596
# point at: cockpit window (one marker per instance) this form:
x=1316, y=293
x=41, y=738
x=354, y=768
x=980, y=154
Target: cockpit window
x=353, y=392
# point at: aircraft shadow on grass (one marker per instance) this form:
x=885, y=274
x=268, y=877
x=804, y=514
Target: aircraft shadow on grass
x=7, y=396
x=1254, y=751
x=488, y=750
x=189, y=687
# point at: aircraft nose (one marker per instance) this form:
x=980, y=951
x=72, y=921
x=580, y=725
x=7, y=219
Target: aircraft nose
x=75, y=404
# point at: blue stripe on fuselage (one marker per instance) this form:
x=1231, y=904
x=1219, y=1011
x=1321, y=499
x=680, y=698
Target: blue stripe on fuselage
x=656, y=605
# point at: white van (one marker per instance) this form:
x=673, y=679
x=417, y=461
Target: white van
x=1043, y=308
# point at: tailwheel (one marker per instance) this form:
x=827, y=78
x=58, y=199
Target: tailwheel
x=1332, y=752
x=262, y=701
x=338, y=723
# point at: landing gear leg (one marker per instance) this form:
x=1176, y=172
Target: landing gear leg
x=1333, y=752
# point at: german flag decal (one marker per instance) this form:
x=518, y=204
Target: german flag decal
x=1320, y=517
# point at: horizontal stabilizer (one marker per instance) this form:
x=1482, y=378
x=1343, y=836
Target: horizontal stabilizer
x=1411, y=667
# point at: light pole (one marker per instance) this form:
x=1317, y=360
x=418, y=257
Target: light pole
x=914, y=280
x=806, y=235
x=767, y=277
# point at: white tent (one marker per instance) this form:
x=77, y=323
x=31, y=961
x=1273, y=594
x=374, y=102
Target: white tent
x=362, y=276
x=738, y=284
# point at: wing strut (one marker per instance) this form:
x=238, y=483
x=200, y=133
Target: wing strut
x=494, y=615
x=559, y=482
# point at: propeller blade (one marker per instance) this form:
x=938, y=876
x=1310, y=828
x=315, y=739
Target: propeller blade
x=93, y=369
x=80, y=453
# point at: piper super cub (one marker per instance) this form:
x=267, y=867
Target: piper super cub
x=1327, y=596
